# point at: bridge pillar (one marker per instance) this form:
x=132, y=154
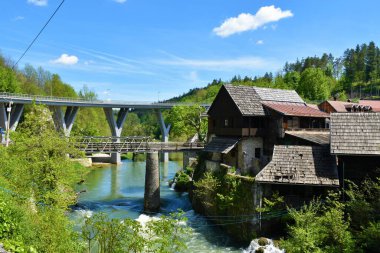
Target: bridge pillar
x=64, y=122
x=16, y=112
x=164, y=134
x=116, y=126
x=152, y=183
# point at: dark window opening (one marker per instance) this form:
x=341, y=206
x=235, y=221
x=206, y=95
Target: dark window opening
x=257, y=152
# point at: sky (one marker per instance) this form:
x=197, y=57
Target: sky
x=149, y=50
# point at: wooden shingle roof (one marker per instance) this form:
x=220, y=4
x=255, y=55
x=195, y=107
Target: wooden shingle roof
x=221, y=145
x=278, y=95
x=246, y=99
x=249, y=98
x=317, y=137
x=300, y=165
x=355, y=133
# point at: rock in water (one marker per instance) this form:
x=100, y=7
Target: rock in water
x=258, y=246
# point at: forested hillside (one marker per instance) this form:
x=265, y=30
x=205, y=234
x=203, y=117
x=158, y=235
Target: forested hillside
x=355, y=74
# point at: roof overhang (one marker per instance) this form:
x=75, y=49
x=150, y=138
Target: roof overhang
x=221, y=145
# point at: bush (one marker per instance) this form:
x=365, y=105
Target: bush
x=318, y=228
x=369, y=238
x=164, y=235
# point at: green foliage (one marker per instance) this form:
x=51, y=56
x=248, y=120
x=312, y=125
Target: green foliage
x=318, y=228
x=37, y=177
x=314, y=84
x=8, y=80
x=41, y=156
x=187, y=121
x=369, y=238
x=363, y=202
x=275, y=202
x=166, y=234
x=226, y=195
x=182, y=180
x=134, y=127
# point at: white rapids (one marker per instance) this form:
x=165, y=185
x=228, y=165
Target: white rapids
x=269, y=248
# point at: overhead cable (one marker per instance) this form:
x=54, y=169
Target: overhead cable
x=35, y=38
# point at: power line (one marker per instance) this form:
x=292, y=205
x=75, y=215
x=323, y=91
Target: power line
x=35, y=38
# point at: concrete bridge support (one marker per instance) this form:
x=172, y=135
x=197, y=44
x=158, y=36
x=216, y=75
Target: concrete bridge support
x=116, y=126
x=64, y=122
x=15, y=115
x=164, y=134
x=152, y=183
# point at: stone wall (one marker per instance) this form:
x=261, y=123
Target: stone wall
x=247, y=162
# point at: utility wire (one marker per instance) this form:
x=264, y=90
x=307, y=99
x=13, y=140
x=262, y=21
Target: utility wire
x=35, y=38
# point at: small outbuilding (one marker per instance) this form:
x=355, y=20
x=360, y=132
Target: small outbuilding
x=355, y=140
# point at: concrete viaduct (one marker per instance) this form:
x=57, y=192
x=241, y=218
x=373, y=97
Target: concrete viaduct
x=64, y=111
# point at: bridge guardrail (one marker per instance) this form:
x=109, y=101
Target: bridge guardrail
x=11, y=96
x=130, y=144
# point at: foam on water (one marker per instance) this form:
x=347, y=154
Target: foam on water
x=143, y=219
x=270, y=248
x=84, y=213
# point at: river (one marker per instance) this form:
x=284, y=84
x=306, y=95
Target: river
x=119, y=192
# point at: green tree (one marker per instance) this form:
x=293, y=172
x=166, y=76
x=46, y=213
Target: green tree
x=8, y=80
x=292, y=79
x=39, y=176
x=133, y=126
x=187, y=121
x=314, y=84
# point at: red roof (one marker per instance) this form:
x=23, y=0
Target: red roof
x=339, y=106
x=295, y=109
x=375, y=104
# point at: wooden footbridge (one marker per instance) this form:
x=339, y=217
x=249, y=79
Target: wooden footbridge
x=136, y=144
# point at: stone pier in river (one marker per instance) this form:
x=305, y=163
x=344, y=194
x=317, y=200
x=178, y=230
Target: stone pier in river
x=152, y=183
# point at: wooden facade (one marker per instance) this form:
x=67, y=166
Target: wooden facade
x=259, y=117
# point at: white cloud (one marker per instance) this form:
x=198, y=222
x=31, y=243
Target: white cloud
x=66, y=59
x=246, y=21
x=120, y=1
x=38, y=2
x=249, y=62
x=259, y=42
x=18, y=18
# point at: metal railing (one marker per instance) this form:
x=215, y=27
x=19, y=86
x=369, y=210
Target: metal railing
x=135, y=144
x=15, y=96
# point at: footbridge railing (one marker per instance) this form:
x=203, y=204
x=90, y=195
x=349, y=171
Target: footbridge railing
x=136, y=144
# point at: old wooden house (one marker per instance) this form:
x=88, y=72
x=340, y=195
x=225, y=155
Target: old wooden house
x=329, y=106
x=298, y=173
x=355, y=140
x=245, y=123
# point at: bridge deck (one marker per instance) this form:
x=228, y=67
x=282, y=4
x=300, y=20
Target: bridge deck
x=131, y=144
x=78, y=102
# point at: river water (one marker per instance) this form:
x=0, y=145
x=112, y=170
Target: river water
x=119, y=192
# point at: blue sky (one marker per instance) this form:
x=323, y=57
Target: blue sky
x=149, y=49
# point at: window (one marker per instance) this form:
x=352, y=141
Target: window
x=229, y=122
x=257, y=153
